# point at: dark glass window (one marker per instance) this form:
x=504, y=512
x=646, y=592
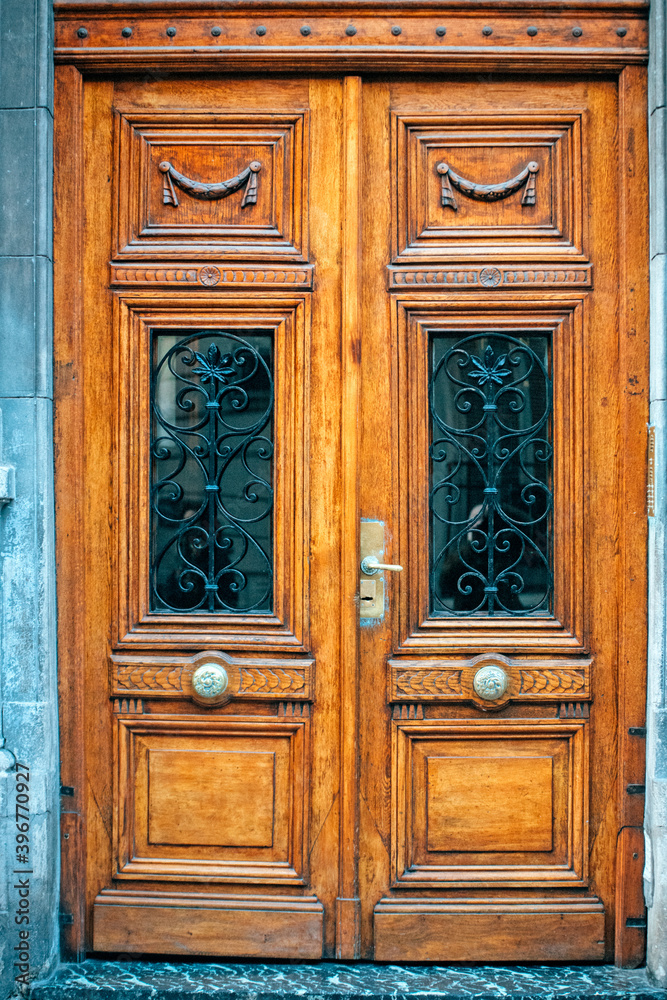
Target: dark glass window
x=491, y=474
x=212, y=471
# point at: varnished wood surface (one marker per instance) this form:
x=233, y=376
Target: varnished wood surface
x=363, y=819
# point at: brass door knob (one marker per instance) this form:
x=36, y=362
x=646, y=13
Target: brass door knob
x=210, y=680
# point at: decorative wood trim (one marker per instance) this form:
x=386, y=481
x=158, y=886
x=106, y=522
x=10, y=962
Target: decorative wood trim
x=415, y=631
x=347, y=939
x=136, y=313
x=445, y=680
x=285, y=859
x=251, y=926
x=372, y=46
x=633, y=382
x=209, y=192
x=463, y=869
x=211, y=276
x=486, y=192
x=170, y=676
x=70, y=502
x=488, y=276
x=483, y=929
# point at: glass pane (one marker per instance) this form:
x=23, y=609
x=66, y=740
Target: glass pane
x=491, y=474
x=212, y=472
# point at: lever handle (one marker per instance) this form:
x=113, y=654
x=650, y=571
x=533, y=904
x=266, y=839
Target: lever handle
x=370, y=566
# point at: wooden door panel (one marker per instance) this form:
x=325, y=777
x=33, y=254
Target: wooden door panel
x=178, y=193
x=489, y=804
x=508, y=186
x=498, y=779
x=211, y=801
x=213, y=825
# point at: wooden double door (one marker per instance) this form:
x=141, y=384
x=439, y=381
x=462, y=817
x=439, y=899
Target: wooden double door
x=327, y=320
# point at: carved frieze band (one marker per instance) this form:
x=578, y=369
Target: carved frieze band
x=489, y=277
x=210, y=276
x=171, y=676
x=452, y=680
x=486, y=192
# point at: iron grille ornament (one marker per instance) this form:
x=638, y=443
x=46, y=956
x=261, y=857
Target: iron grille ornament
x=490, y=399
x=212, y=472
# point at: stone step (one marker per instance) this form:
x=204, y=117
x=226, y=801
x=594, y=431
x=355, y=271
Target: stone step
x=107, y=980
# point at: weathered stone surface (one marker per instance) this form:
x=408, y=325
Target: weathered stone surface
x=341, y=981
x=28, y=721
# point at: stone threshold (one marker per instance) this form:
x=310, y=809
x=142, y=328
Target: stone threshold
x=106, y=980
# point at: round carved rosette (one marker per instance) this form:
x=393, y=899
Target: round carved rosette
x=209, y=275
x=490, y=277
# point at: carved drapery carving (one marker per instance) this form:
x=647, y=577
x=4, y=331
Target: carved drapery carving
x=210, y=192
x=486, y=192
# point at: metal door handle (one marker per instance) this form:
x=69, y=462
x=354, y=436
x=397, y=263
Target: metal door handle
x=370, y=566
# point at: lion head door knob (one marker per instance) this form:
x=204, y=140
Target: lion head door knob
x=490, y=682
x=209, y=680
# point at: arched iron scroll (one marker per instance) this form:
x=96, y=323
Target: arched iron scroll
x=212, y=472
x=210, y=192
x=491, y=467
x=486, y=192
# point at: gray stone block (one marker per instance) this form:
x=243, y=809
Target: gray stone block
x=44, y=54
x=17, y=182
x=17, y=325
x=43, y=192
x=658, y=55
x=18, y=31
x=27, y=623
x=658, y=180
x=658, y=303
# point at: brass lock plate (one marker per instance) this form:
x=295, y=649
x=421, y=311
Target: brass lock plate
x=371, y=588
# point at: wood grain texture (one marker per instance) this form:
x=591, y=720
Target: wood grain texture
x=360, y=802
x=68, y=435
x=178, y=924
x=347, y=943
x=484, y=930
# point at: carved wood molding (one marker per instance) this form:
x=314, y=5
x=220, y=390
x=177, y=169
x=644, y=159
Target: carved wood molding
x=157, y=676
x=486, y=192
x=211, y=276
x=210, y=192
x=453, y=680
x=489, y=276
x=577, y=35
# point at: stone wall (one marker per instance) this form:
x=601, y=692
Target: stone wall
x=28, y=723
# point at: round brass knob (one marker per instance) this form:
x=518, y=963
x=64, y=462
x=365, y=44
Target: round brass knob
x=209, y=680
x=490, y=682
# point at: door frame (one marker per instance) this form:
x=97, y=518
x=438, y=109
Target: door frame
x=89, y=41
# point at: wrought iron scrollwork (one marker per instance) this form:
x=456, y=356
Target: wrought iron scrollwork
x=491, y=465
x=212, y=472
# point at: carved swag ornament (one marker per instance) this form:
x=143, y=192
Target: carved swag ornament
x=209, y=192
x=486, y=192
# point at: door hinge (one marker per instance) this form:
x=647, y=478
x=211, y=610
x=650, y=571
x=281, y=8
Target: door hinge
x=637, y=731
x=650, y=474
x=636, y=789
x=635, y=922
x=66, y=919
x=66, y=790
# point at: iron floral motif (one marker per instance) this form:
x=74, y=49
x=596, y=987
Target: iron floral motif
x=212, y=471
x=490, y=498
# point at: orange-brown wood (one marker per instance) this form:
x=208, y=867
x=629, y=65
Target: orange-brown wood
x=353, y=776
